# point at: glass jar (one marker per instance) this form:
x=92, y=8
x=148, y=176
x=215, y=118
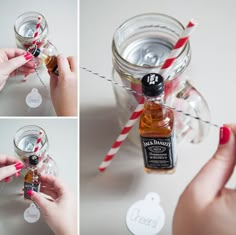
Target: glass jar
x=140, y=46
x=25, y=27
x=25, y=141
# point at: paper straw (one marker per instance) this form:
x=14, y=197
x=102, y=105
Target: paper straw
x=36, y=33
x=123, y=134
x=38, y=142
x=137, y=112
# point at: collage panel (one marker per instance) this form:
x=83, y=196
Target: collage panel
x=38, y=58
x=39, y=117
x=157, y=117
x=38, y=155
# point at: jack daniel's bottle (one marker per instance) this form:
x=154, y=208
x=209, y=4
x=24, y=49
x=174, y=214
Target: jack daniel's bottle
x=32, y=177
x=156, y=128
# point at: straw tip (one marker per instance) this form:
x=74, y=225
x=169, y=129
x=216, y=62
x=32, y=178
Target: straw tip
x=101, y=169
x=192, y=23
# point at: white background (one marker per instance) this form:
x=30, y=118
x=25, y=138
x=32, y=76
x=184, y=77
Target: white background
x=62, y=137
x=61, y=16
x=106, y=197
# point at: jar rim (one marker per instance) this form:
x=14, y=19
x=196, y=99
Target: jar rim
x=29, y=126
x=27, y=13
x=122, y=60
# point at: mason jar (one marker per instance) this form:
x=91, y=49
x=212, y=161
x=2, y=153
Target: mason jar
x=25, y=27
x=140, y=46
x=25, y=141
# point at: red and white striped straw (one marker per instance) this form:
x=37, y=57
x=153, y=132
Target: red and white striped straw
x=178, y=47
x=38, y=142
x=37, y=27
x=137, y=112
x=123, y=134
x=36, y=33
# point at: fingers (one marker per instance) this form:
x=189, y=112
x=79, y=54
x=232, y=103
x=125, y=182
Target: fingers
x=215, y=174
x=72, y=63
x=7, y=160
x=50, y=192
x=63, y=64
x=54, y=184
x=16, y=62
x=7, y=171
x=43, y=203
x=53, y=82
x=13, y=52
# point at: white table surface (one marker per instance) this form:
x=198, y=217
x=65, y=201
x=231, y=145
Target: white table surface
x=106, y=197
x=61, y=16
x=62, y=137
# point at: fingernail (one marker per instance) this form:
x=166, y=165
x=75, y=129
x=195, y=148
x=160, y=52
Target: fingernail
x=7, y=179
x=224, y=134
x=30, y=193
x=28, y=56
x=17, y=174
x=19, y=166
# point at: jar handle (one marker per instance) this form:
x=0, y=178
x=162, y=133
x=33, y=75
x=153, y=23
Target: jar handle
x=189, y=100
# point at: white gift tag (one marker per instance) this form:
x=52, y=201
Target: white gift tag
x=146, y=217
x=32, y=214
x=33, y=99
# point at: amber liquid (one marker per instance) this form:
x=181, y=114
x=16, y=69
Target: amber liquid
x=31, y=177
x=51, y=64
x=156, y=121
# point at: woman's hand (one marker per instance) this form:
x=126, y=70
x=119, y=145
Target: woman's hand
x=60, y=210
x=206, y=206
x=64, y=87
x=14, y=61
x=9, y=166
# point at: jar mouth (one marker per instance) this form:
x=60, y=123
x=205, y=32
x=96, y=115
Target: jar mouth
x=124, y=62
x=30, y=128
x=32, y=14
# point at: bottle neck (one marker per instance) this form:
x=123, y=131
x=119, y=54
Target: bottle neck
x=153, y=106
x=156, y=99
x=33, y=167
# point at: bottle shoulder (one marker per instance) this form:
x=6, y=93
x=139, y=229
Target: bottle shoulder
x=159, y=122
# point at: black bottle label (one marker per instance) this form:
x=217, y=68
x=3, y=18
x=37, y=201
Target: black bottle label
x=30, y=186
x=158, y=153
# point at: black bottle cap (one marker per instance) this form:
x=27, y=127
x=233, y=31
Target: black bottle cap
x=152, y=84
x=33, y=160
x=35, y=51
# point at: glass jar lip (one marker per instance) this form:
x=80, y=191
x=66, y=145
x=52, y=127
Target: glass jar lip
x=29, y=126
x=117, y=54
x=36, y=14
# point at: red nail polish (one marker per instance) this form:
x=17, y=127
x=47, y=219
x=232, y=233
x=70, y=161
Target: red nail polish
x=224, y=134
x=7, y=179
x=19, y=166
x=28, y=56
x=17, y=174
x=30, y=193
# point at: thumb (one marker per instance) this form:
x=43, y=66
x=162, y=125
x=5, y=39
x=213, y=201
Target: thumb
x=215, y=174
x=40, y=201
x=16, y=62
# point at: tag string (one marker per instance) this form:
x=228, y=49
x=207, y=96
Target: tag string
x=137, y=93
x=40, y=79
